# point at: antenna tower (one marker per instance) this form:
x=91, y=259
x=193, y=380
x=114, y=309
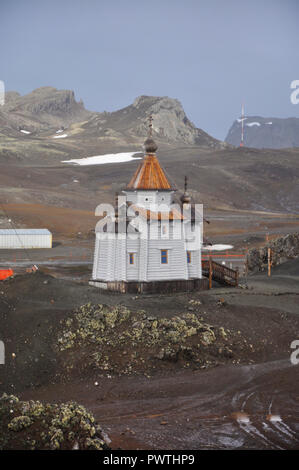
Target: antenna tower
x=242, y=127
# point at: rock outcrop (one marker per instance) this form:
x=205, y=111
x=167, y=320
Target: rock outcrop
x=282, y=250
x=42, y=108
x=169, y=121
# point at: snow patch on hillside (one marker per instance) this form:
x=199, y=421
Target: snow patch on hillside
x=250, y=124
x=62, y=136
x=105, y=159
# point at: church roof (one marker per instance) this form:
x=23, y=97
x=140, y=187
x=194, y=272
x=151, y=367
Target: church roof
x=149, y=175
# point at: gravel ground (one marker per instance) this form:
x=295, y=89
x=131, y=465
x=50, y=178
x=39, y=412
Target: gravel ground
x=176, y=407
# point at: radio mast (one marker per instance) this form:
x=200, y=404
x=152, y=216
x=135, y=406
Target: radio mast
x=242, y=126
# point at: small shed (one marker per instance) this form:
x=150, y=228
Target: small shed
x=25, y=238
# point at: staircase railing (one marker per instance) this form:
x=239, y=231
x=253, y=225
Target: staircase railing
x=220, y=273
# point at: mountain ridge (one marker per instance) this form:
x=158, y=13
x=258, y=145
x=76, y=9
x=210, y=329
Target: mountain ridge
x=265, y=132
x=47, y=108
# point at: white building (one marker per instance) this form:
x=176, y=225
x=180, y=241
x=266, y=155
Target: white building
x=150, y=244
x=25, y=238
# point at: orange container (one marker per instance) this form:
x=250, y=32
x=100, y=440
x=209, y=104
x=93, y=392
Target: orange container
x=5, y=273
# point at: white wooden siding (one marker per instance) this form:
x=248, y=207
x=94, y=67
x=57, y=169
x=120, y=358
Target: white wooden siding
x=133, y=269
x=176, y=268
x=111, y=256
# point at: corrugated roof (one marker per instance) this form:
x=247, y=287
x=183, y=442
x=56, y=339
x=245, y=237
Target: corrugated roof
x=149, y=175
x=25, y=231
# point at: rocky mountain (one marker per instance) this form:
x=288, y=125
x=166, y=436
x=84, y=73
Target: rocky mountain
x=170, y=123
x=261, y=132
x=42, y=108
x=42, y=130
x=50, y=109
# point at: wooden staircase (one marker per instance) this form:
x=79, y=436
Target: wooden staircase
x=220, y=273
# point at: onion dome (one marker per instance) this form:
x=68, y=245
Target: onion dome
x=186, y=198
x=150, y=145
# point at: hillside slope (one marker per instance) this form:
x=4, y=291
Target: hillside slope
x=28, y=125
x=32, y=171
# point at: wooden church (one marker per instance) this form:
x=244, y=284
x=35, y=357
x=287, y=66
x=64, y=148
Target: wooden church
x=149, y=243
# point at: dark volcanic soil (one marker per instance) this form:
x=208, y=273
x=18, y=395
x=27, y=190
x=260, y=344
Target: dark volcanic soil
x=232, y=407
x=177, y=407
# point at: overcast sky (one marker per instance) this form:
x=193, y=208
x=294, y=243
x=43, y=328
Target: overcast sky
x=212, y=55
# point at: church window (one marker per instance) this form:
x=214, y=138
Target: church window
x=131, y=258
x=164, y=257
x=188, y=257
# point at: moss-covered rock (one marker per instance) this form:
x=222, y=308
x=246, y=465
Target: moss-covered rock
x=33, y=425
x=116, y=340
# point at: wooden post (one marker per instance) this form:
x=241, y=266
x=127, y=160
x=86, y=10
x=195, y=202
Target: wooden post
x=210, y=273
x=237, y=276
x=269, y=262
x=246, y=263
